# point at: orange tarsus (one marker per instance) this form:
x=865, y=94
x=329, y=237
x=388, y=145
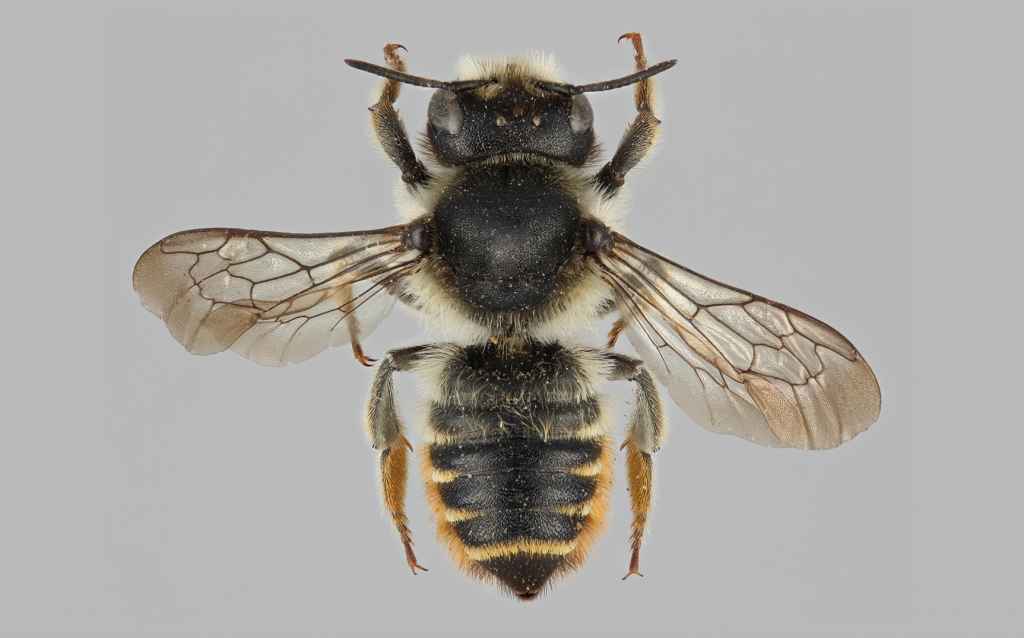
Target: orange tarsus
x=410, y=558
x=357, y=352
x=613, y=334
x=639, y=473
x=642, y=95
x=390, y=55
x=634, y=563
x=391, y=88
x=393, y=475
x=638, y=46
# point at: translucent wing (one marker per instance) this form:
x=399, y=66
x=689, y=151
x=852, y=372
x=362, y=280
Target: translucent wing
x=738, y=363
x=273, y=298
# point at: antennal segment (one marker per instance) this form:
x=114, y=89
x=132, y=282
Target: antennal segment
x=406, y=78
x=607, y=85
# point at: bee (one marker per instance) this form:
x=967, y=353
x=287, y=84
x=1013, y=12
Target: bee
x=510, y=245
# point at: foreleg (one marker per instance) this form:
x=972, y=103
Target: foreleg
x=388, y=126
x=641, y=134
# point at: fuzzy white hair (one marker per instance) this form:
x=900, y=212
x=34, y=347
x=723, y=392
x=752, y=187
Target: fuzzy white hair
x=535, y=65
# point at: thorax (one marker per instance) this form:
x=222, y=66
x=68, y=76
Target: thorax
x=504, y=233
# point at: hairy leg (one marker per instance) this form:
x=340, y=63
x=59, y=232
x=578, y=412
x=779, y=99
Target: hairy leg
x=385, y=431
x=642, y=132
x=389, y=129
x=646, y=430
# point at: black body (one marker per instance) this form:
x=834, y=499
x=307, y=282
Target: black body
x=512, y=444
x=518, y=464
x=504, y=231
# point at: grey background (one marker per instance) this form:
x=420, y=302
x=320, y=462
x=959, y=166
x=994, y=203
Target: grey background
x=149, y=490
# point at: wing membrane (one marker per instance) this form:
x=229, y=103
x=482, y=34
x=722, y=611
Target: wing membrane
x=273, y=298
x=738, y=363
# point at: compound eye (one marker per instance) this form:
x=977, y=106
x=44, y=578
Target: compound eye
x=444, y=111
x=581, y=117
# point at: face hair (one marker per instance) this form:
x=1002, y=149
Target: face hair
x=468, y=85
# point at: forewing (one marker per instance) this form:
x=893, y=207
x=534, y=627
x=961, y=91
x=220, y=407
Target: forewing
x=273, y=298
x=738, y=363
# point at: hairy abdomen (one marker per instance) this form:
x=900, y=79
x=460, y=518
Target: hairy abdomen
x=519, y=465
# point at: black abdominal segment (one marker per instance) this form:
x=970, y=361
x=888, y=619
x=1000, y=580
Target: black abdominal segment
x=504, y=232
x=517, y=461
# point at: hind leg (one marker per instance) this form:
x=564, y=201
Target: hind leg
x=388, y=127
x=646, y=428
x=385, y=430
x=393, y=478
x=642, y=132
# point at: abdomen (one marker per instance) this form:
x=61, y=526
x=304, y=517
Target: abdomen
x=519, y=464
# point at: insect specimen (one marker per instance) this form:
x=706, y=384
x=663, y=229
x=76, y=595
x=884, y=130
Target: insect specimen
x=509, y=246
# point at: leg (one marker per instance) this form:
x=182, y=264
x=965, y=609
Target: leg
x=616, y=330
x=646, y=426
x=389, y=128
x=393, y=475
x=640, y=469
x=641, y=134
x=385, y=429
x=352, y=324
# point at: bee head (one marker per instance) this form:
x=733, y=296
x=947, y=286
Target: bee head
x=503, y=118
x=507, y=107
